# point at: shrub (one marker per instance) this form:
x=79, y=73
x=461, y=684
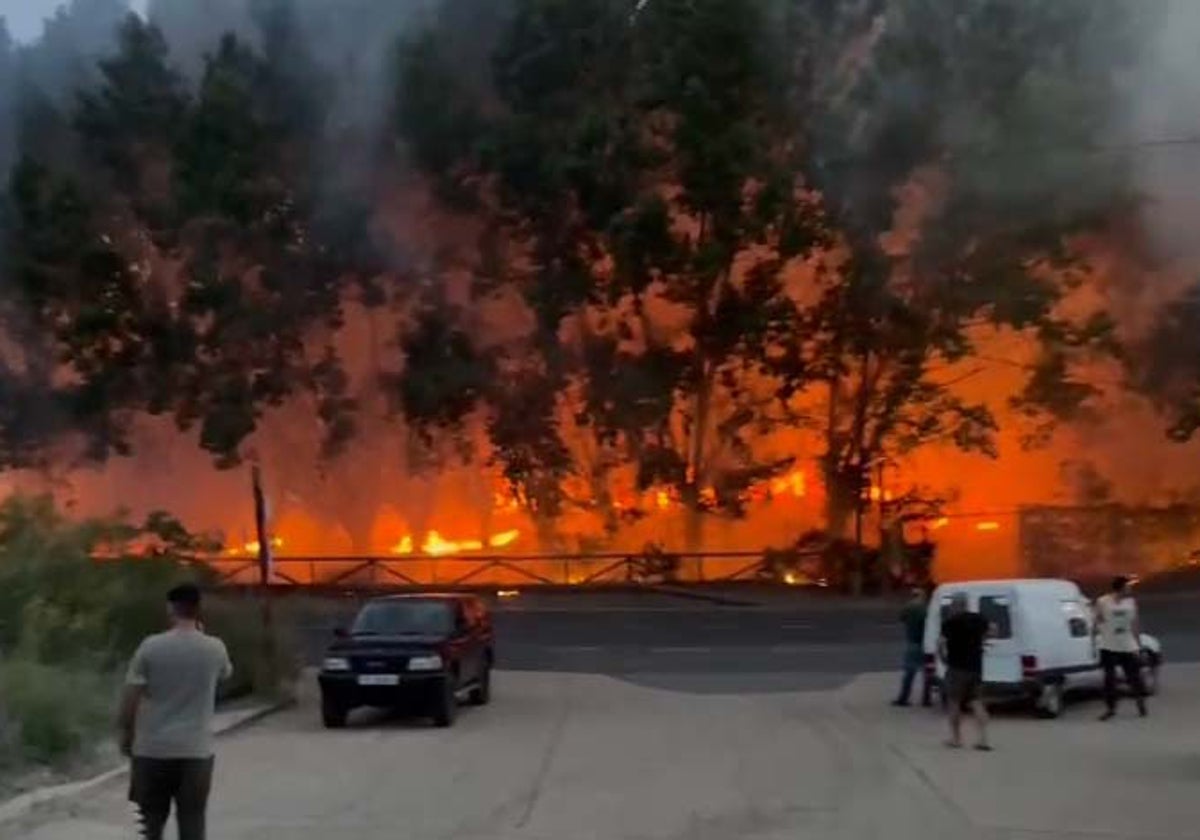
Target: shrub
x=51, y=714
x=76, y=599
x=263, y=664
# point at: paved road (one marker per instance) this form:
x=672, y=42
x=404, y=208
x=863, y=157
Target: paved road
x=594, y=758
x=698, y=722
x=788, y=644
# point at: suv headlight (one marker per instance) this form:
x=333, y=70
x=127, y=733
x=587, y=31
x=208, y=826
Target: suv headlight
x=425, y=663
x=335, y=663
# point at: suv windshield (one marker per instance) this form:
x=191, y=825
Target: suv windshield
x=403, y=618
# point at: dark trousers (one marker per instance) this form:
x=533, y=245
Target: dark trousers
x=914, y=662
x=1131, y=665
x=156, y=784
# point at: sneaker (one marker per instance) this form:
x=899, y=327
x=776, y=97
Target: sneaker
x=1108, y=715
x=899, y=703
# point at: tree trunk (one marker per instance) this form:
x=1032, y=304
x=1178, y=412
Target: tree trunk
x=693, y=523
x=547, y=533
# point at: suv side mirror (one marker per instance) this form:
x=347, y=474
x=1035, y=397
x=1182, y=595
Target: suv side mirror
x=341, y=633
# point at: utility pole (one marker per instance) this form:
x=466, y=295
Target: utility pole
x=264, y=574
x=260, y=526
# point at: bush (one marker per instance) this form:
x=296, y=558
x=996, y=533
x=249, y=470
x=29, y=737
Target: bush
x=50, y=714
x=58, y=604
x=75, y=601
x=263, y=664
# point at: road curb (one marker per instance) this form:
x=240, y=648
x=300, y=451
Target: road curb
x=23, y=804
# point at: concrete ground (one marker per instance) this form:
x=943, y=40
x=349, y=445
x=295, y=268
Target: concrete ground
x=800, y=640
x=562, y=756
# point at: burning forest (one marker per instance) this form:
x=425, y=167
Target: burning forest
x=534, y=277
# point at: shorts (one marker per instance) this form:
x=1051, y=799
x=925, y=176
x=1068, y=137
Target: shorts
x=963, y=687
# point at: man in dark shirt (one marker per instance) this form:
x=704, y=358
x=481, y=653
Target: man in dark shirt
x=964, y=635
x=912, y=617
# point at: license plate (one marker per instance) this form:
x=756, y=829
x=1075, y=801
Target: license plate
x=379, y=679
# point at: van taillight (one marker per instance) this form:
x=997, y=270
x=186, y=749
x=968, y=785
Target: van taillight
x=930, y=663
x=1029, y=664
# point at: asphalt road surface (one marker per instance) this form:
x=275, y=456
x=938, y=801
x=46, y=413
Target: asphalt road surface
x=783, y=643
x=698, y=722
x=561, y=756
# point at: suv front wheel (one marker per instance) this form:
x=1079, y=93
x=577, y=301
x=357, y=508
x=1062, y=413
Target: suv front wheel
x=481, y=694
x=445, y=703
x=333, y=715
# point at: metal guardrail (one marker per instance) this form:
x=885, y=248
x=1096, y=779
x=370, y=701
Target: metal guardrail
x=495, y=569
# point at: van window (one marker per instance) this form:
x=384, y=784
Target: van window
x=1077, y=623
x=995, y=609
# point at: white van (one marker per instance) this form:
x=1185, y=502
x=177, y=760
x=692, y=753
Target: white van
x=1041, y=643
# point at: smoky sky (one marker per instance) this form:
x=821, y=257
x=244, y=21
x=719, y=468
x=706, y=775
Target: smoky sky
x=25, y=17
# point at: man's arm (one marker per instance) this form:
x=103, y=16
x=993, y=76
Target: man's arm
x=131, y=700
x=227, y=664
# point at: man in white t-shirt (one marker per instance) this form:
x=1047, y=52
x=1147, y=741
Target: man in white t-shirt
x=167, y=719
x=1119, y=637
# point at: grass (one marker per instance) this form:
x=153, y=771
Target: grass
x=69, y=623
x=52, y=714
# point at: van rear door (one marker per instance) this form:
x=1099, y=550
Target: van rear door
x=1002, y=656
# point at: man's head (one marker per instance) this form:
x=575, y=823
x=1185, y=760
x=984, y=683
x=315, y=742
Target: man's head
x=958, y=603
x=1120, y=585
x=917, y=594
x=183, y=602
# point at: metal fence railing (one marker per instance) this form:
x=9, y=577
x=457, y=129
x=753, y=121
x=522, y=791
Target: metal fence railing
x=496, y=570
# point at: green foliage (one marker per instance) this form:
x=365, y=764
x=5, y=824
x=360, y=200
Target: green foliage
x=76, y=598
x=51, y=714
x=656, y=136
x=983, y=121
x=169, y=257
x=1166, y=364
x=453, y=374
x=645, y=179
x=58, y=605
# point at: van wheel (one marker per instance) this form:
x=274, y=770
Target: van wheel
x=1052, y=700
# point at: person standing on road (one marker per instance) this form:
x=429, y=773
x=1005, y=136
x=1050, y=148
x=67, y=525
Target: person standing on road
x=1119, y=636
x=912, y=617
x=167, y=717
x=964, y=635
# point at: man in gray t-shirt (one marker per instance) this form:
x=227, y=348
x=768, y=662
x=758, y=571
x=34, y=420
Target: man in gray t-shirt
x=167, y=719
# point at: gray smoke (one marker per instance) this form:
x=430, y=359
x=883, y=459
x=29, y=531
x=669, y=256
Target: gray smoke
x=1164, y=122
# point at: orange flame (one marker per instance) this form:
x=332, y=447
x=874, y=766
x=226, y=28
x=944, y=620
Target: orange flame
x=252, y=547
x=435, y=545
x=793, y=483
x=504, y=538
x=988, y=526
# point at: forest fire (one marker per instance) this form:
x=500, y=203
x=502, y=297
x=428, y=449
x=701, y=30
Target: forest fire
x=250, y=548
x=435, y=545
x=439, y=394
